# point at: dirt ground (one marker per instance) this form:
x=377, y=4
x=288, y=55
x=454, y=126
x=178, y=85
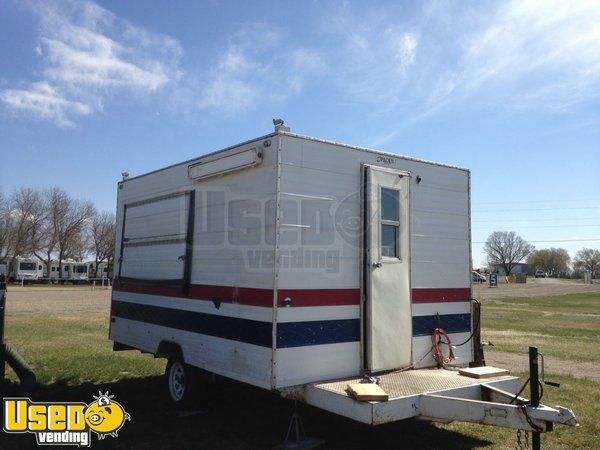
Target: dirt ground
x=45, y=299
x=535, y=287
x=520, y=363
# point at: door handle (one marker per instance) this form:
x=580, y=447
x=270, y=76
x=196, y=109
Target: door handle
x=377, y=264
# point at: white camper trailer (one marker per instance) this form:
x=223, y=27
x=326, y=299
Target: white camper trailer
x=26, y=269
x=78, y=272
x=299, y=265
x=72, y=271
x=104, y=270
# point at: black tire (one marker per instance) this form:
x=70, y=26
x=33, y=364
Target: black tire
x=182, y=383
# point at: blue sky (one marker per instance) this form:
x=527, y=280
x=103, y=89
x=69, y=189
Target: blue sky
x=509, y=89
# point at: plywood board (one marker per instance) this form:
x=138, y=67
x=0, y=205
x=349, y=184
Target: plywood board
x=368, y=392
x=483, y=372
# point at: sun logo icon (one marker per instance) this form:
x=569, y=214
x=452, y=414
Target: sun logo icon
x=105, y=416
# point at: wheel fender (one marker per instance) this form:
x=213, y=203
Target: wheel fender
x=168, y=349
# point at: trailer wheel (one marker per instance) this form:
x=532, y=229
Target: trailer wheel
x=182, y=382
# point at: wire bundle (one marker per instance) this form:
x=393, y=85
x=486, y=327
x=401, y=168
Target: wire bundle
x=438, y=354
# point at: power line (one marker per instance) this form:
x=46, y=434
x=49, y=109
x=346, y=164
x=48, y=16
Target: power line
x=553, y=219
x=555, y=240
x=512, y=202
x=538, y=226
x=535, y=209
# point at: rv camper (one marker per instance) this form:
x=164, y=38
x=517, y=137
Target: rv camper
x=25, y=270
x=104, y=270
x=72, y=271
x=301, y=265
x=77, y=272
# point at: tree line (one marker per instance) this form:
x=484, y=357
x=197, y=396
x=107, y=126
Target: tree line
x=52, y=225
x=506, y=249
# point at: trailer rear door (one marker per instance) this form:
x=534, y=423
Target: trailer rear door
x=388, y=334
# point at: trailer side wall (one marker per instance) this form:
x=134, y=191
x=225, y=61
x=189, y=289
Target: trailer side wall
x=320, y=258
x=223, y=323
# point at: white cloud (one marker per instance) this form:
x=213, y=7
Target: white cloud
x=541, y=54
x=520, y=54
x=256, y=65
x=373, y=55
x=43, y=101
x=88, y=55
x=405, y=63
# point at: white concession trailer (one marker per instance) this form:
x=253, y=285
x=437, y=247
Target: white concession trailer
x=300, y=265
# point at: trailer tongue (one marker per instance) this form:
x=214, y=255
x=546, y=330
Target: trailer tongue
x=441, y=395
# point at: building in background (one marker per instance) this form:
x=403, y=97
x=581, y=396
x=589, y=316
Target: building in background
x=517, y=268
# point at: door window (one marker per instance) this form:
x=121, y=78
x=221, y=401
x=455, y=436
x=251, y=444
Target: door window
x=390, y=223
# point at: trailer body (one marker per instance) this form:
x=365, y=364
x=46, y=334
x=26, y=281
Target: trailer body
x=72, y=271
x=287, y=261
x=281, y=271
x=26, y=269
x=104, y=270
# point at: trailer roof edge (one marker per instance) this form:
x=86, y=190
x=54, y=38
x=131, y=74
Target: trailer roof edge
x=298, y=136
x=370, y=150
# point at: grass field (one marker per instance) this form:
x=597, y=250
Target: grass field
x=73, y=360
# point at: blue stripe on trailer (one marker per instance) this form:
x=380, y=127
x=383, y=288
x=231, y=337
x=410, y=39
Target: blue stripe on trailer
x=243, y=330
x=452, y=323
x=318, y=332
x=289, y=334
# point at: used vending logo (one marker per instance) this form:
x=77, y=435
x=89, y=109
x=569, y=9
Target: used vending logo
x=65, y=423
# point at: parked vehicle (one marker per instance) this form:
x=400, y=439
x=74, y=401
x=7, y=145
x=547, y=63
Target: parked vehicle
x=72, y=271
x=540, y=273
x=311, y=264
x=478, y=278
x=104, y=270
x=25, y=270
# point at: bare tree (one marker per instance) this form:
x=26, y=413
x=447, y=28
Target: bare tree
x=79, y=245
x=48, y=236
x=68, y=218
x=507, y=249
x=588, y=259
x=26, y=215
x=102, y=242
x=5, y=228
x=553, y=261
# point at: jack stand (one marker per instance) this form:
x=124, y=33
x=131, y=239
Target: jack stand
x=296, y=437
x=534, y=391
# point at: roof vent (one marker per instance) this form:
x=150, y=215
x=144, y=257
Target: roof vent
x=279, y=126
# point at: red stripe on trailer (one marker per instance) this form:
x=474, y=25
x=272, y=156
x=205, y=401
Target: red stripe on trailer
x=224, y=294
x=167, y=291
x=231, y=294
x=319, y=297
x=435, y=295
x=298, y=297
x=248, y=296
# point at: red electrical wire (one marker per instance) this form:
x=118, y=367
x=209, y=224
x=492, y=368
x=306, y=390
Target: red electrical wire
x=438, y=354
